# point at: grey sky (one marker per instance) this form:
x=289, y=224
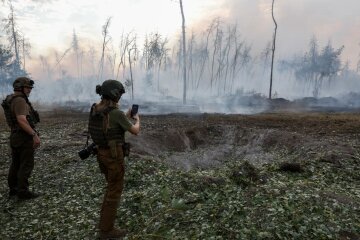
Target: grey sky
x=298, y=21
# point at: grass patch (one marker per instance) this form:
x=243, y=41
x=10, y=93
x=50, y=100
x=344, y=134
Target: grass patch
x=162, y=203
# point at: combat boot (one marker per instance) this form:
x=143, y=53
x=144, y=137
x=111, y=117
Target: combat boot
x=12, y=193
x=24, y=195
x=107, y=219
x=115, y=233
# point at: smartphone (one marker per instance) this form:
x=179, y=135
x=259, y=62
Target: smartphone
x=134, y=110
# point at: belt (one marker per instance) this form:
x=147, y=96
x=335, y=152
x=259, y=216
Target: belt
x=107, y=147
x=103, y=147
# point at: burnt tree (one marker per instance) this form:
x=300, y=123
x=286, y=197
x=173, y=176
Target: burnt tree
x=273, y=49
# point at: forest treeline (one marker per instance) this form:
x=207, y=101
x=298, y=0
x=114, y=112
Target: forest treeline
x=219, y=61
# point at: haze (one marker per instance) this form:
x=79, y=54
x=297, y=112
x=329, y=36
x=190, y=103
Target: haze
x=50, y=26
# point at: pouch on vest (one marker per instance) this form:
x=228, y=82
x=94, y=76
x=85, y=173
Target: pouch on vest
x=10, y=118
x=113, y=150
x=96, y=126
x=126, y=149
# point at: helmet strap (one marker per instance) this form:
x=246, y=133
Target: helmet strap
x=23, y=92
x=26, y=97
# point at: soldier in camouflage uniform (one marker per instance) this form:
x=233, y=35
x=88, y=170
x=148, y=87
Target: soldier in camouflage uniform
x=24, y=139
x=107, y=127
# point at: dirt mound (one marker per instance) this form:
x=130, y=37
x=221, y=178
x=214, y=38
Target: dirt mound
x=170, y=140
x=205, y=141
x=180, y=140
x=276, y=139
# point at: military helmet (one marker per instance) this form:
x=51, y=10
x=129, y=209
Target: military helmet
x=21, y=82
x=111, y=89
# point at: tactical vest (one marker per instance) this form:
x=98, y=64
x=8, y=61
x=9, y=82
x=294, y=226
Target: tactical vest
x=33, y=117
x=100, y=135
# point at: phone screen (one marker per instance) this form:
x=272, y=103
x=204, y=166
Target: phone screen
x=134, y=109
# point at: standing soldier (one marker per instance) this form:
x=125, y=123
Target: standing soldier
x=107, y=127
x=24, y=139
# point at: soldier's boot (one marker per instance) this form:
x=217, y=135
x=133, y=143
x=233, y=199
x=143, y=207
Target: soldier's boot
x=12, y=192
x=115, y=233
x=24, y=195
x=107, y=219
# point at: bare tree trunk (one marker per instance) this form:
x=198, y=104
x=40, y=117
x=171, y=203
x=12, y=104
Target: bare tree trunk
x=112, y=61
x=121, y=62
x=124, y=45
x=26, y=49
x=273, y=49
x=146, y=53
x=92, y=54
x=190, y=76
x=75, y=46
x=183, y=50
x=46, y=67
x=204, y=54
x=105, y=41
x=235, y=60
x=24, y=53
x=219, y=61
x=132, y=42
x=14, y=33
x=265, y=56
x=58, y=63
x=228, y=47
x=160, y=61
x=214, y=53
x=81, y=64
x=179, y=53
x=131, y=75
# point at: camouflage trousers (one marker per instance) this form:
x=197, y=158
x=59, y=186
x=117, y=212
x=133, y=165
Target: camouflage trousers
x=22, y=162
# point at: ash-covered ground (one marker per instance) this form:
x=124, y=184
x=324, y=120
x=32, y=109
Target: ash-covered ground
x=279, y=175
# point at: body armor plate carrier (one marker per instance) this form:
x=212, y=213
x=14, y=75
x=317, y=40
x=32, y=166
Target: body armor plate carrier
x=97, y=125
x=33, y=118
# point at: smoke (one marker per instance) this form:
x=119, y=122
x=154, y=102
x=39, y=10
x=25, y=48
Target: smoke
x=222, y=69
x=298, y=22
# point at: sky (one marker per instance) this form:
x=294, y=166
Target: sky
x=50, y=23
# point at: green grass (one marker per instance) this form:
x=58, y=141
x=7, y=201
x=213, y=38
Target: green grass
x=162, y=203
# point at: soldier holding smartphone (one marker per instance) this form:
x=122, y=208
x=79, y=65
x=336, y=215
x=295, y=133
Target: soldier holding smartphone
x=107, y=127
